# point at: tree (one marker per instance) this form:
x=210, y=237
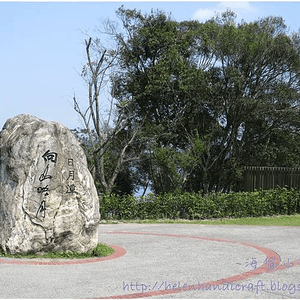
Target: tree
x=233, y=88
x=105, y=136
x=148, y=81
x=259, y=86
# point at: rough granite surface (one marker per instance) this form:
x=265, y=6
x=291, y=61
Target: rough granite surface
x=48, y=200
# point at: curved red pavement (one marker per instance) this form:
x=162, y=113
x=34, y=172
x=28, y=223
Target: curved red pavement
x=105, y=280
x=270, y=255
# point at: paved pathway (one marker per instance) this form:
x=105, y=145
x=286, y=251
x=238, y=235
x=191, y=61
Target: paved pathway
x=169, y=261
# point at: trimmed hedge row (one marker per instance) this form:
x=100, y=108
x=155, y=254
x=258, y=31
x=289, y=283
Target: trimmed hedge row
x=192, y=206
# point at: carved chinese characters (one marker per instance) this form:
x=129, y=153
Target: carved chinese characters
x=71, y=186
x=48, y=157
x=43, y=197
x=48, y=201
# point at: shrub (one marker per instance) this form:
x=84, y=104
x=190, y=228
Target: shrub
x=196, y=206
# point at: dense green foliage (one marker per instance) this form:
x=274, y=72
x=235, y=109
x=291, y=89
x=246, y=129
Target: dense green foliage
x=200, y=101
x=212, y=96
x=196, y=206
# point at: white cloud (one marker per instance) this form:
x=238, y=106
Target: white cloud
x=244, y=10
x=204, y=14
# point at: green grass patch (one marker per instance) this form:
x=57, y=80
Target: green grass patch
x=293, y=220
x=286, y=220
x=101, y=250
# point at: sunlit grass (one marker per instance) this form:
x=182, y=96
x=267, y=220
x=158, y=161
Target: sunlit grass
x=292, y=220
x=101, y=250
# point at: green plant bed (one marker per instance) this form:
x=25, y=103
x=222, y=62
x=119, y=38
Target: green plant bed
x=196, y=206
x=101, y=250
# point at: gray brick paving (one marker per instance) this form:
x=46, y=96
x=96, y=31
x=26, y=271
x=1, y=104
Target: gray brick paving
x=158, y=263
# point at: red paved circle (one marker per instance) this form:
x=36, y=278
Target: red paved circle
x=119, y=251
x=262, y=269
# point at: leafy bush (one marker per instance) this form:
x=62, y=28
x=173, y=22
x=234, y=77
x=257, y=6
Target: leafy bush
x=192, y=206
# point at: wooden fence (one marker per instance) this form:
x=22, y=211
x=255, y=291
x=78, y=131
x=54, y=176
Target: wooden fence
x=271, y=177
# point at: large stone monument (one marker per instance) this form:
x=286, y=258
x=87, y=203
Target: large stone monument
x=48, y=200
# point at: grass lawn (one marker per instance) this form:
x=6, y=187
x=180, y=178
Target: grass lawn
x=291, y=220
x=101, y=250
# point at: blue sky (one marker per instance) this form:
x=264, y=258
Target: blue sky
x=42, y=47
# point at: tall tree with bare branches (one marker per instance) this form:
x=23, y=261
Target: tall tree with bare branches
x=106, y=135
